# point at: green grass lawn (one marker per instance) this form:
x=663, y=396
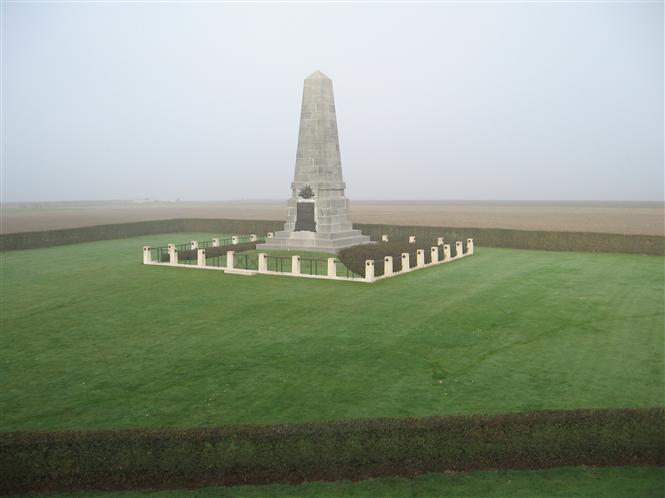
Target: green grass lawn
x=564, y=483
x=93, y=339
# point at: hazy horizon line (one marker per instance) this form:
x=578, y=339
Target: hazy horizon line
x=401, y=200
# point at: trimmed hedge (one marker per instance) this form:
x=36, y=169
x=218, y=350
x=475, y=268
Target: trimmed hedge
x=357, y=449
x=488, y=237
x=49, y=238
x=526, y=239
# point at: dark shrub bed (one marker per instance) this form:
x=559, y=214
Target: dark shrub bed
x=212, y=252
x=358, y=449
x=354, y=257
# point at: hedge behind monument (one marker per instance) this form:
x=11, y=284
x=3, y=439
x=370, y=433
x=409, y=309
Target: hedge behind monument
x=483, y=237
x=356, y=449
x=526, y=239
x=49, y=238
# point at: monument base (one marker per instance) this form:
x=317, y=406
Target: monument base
x=314, y=241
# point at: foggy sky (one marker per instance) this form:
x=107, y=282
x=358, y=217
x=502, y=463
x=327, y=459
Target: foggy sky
x=434, y=101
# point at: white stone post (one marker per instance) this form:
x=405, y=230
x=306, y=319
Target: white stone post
x=171, y=248
x=147, y=255
x=295, y=265
x=469, y=246
x=201, y=257
x=271, y=235
x=252, y=237
x=369, y=270
x=406, y=264
x=384, y=238
x=388, y=266
x=446, y=252
x=215, y=242
x=194, y=245
x=173, y=257
x=332, y=267
x=412, y=239
x=420, y=258
x=434, y=251
x=439, y=241
x=234, y=240
x=458, y=249
x=230, y=259
x=263, y=262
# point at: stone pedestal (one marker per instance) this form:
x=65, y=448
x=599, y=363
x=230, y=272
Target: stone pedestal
x=295, y=265
x=388, y=266
x=263, y=262
x=332, y=267
x=318, y=211
x=369, y=270
x=446, y=252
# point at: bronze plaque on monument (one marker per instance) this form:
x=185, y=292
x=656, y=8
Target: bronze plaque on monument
x=305, y=217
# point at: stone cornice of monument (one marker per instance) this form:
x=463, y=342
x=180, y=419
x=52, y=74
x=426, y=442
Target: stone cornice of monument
x=319, y=219
x=318, y=161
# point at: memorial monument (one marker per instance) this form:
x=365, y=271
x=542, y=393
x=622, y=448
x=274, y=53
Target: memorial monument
x=318, y=212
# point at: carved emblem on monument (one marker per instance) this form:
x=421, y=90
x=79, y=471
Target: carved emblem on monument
x=306, y=192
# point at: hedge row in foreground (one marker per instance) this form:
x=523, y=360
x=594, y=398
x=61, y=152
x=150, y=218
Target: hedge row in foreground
x=172, y=458
x=488, y=237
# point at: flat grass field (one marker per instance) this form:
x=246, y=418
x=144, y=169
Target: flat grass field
x=92, y=339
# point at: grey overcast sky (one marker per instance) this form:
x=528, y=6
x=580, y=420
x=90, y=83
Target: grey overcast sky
x=201, y=101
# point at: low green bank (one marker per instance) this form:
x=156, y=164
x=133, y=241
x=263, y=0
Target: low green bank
x=612, y=482
x=360, y=449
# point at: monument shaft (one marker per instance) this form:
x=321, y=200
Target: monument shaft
x=318, y=160
x=318, y=211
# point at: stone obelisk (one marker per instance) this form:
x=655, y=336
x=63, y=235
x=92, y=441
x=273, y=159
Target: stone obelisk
x=318, y=212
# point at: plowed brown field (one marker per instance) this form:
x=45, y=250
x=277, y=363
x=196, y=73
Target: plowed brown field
x=611, y=217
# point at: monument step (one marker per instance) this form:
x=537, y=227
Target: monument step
x=282, y=235
x=319, y=245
